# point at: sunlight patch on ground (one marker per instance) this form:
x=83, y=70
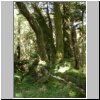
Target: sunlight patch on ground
x=42, y=62
x=17, y=76
x=72, y=94
x=18, y=95
x=62, y=69
x=74, y=71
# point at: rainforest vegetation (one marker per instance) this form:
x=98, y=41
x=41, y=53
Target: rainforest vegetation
x=50, y=49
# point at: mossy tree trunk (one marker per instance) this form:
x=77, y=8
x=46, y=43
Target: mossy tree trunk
x=49, y=20
x=66, y=36
x=47, y=33
x=58, y=32
x=75, y=48
x=36, y=28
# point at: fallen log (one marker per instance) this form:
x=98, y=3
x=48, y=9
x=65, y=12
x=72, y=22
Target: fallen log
x=82, y=91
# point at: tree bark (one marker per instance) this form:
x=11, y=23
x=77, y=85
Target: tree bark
x=75, y=48
x=48, y=36
x=36, y=28
x=58, y=32
x=66, y=35
x=49, y=20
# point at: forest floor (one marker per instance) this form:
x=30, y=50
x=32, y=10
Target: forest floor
x=52, y=88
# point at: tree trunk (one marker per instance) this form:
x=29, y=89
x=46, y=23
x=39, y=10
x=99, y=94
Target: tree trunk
x=36, y=28
x=58, y=32
x=47, y=33
x=49, y=20
x=66, y=35
x=75, y=48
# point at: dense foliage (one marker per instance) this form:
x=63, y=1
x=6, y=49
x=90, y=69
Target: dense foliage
x=50, y=49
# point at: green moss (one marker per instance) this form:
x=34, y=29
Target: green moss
x=49, y=89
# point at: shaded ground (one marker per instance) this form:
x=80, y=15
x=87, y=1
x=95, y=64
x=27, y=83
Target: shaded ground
x=74, y=88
